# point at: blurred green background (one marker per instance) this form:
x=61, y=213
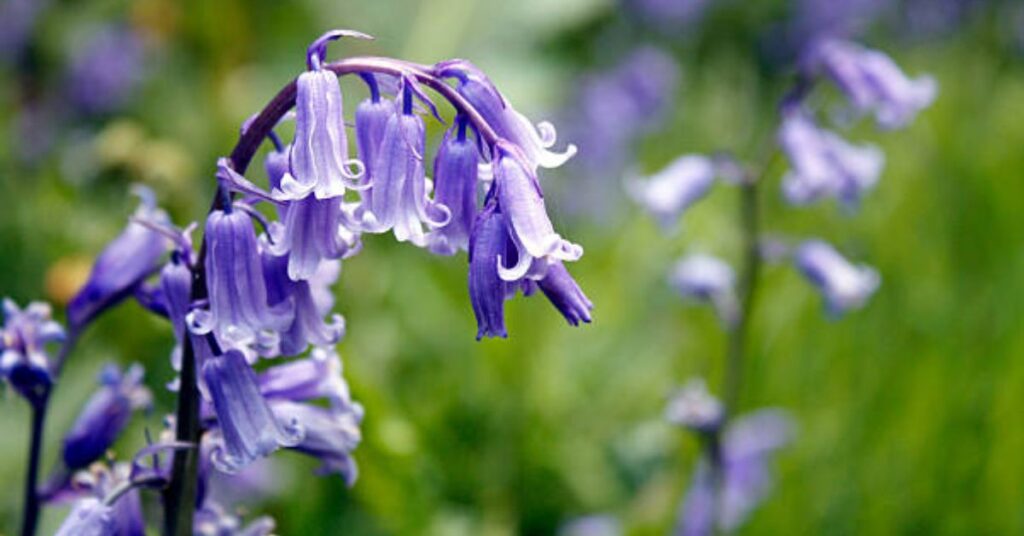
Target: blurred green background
x=908, y=410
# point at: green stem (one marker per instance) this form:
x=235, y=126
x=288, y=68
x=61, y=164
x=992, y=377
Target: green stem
x=750, y=269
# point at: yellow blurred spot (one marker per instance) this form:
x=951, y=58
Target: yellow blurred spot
x=117, y=144
x=65, y=277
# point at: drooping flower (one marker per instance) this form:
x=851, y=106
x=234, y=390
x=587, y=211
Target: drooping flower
x=24, y=363
x=123, y=264
x=319, y=157
x=213, y=520
x=825, y=165
x=565, y=294
x=239, y=313
x=318, y=376
x=534, y=141
x=89, y=517
x=331, y=434
x=668, y=193
x=455, y=181
x=592, y=525
x=695, y=408
x=372, y=116
x=397, y=199
x=308, y=325
x=487, y=290
x=707, y=279
x=105, y=415
x=747, y=447
x=873, y=82
x=843, y=285
x=314, y=231
x=247, y=427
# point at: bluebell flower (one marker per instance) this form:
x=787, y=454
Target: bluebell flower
x=308, y=325
x=123, y=264
x=873, y=82
x=17, y=21
x=319, y=156
x=318, y=376
x=534, y=141
x=707, y=279
x=455, y=182
x=843, y=285
x=106, y=70
x=331, y=434
x=592, y=525
x=747, y=447
x=247, y=427
x=565, y=294
x=825, y=165
x=314, y=230
x=372, y=116
x=105, y=415
x=487, y=290
x=213, y=520
x=397, y=198
x=239, y=313
x=88, y=517
x=695, y=408
x=24, y=363
x=668, y=193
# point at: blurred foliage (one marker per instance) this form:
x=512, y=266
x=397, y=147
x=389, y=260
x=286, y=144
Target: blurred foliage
x=906, y=408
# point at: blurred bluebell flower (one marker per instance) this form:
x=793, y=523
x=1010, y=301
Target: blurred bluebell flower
x=124, y=264
x=247, y=427
x=17, y=21
x=814, y=20
x=319, y=156
x=534, y=141
x=105, y=415
x=693, y=407
x=668, y=193
x=667, y=15
x=747, y=447
x=397, y=198
x=825, y=165
x=330, y=434
x=214, y=520
x=239, y=313
x=843, y=285
x=24, y=363
x=707, y=279
x=592, y=525
x=455, y=182
x=873, y=82
x=88, y=517
x=106, y=69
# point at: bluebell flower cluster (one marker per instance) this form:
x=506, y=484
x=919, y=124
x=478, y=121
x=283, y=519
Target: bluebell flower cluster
x=25, y=363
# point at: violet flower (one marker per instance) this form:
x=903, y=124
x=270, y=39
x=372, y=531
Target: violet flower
x=843, y=285
x=566, y=295
x=707, y=279
x=123, y=264
x=314, y=231
x=239, y=313
x=106, y=70
x=24, y=363
x=487, y=290
x=825, y=165
x=534, y=141
x=88, y=517
x=693, y=407
x=397, y=199
x=668, y=193
x=873, y=82
x=372, y=116
x=318, y=376
x=331, y=434
x=747, y=447
x=213, y=520
x=455, y=181
x=248, y=428
x=105, y=415
x=308, y=325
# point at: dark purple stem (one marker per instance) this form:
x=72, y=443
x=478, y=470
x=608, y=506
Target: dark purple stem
x=30, y=518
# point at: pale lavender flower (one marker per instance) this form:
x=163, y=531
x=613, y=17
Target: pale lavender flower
x=372, y=116
x=24, y=363
x=88, y=517
x=314, y=231
x=106, y=69
x=318, y=376
x=747, y=447
x=308, y=325
x=105, y=415
x=330, y=434
x=239, y=313
x=124, y=264
x=455, y=180
x=693, y=407
x=825, y=165
x=122, y=516
x=592, y=525
x=247, y=427
x=668, y=193
x=397, y=198
x=873, y=82
x=843, y=285
x=705, y=278
x=213, y=520
x=534, y=141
